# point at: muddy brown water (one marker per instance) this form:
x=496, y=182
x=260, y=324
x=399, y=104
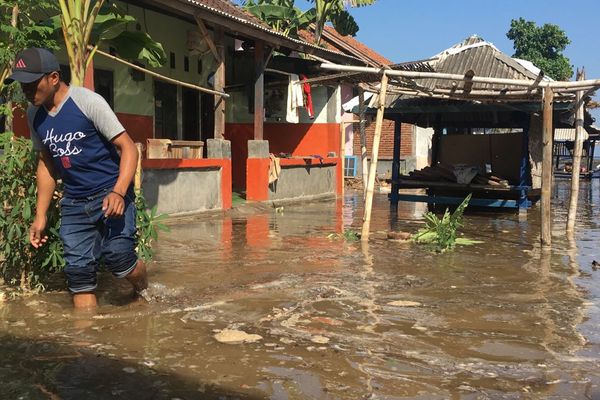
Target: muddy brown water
x=338, y=320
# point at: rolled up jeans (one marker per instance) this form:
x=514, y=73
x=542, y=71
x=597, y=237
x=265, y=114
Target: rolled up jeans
x=91, y=239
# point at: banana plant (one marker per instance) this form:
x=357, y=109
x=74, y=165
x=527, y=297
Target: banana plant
x=86, y=24
x=336, y=12
x=281, y=15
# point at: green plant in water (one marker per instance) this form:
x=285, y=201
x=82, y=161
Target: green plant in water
x=440, y=233
x=20, y=264
x=349, y=235
x=149, y=223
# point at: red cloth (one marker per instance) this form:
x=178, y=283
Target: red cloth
x=307, y=97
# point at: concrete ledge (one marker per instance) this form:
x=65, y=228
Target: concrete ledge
x=187, y=186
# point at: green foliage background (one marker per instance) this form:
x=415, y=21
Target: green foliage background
x=543, y=46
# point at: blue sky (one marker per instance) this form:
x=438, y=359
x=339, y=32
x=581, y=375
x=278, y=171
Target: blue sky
x=405, y=30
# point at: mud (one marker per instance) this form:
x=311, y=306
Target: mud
x=338, y=320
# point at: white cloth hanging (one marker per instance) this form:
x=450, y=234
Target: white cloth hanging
x=295, y=99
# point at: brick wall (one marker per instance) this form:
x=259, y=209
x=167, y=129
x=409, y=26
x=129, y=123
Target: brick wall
x=386, y=146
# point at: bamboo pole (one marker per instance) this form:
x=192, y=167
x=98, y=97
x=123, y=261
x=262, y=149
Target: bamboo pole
x=576, y=158
x=546, y=234
x=363, y=139
x=374, y=154
x=533, y=84
x=162, y=77
x=138, y=170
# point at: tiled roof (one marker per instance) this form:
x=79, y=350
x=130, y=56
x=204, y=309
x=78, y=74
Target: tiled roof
x=357, y=48
x=225, y=8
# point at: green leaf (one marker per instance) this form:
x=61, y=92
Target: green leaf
x=139, y=46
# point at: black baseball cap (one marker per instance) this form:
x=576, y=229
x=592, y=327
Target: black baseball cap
x=31, y=64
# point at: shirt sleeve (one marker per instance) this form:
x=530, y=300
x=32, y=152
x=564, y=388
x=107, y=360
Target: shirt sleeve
x=98, y=111
x=35, y=139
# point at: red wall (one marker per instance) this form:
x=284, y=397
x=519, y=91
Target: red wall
x=139, y=127
x=297, y=139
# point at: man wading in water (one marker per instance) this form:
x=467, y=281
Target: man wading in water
x=78, y=138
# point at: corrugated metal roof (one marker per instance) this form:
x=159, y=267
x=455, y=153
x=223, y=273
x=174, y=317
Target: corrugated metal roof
x=568, y=134
x=481, y=57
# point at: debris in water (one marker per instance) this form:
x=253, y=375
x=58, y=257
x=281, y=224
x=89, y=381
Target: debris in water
x=403, y=236
x=231, y=336
x=404, y=303
x=319, y=339
x=129, y=370
x=328, y=321
x=595, y=265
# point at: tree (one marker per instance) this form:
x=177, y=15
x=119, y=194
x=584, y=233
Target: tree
x=543, y=46
x=86, y=24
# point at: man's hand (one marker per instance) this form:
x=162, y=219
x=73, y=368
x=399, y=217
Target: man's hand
x=36, y=231
x=113, y=205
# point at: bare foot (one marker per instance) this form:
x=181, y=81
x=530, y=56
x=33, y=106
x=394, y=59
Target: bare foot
x=138, y=277
x=85, y=302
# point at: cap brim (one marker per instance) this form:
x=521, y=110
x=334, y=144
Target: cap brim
x=23, y=77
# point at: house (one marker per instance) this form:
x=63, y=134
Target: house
x=216, y=44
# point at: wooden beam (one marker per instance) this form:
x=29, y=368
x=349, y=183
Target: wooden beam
x=546, y=234
x=206, y=37
x=219, y=129
x=577, y=152
x=461, y=78
x=259, y=90
x=363, y=139
x=374, y=154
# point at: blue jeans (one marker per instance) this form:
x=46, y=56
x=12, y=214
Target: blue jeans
x=90, y=238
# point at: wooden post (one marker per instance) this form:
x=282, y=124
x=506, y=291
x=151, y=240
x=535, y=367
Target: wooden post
x=363, y=139
x=219, y=132
x=576, y=157
x=137, y=183
x=547, y=129
x=374, y=155
x=396, y=163
x=343, y=153
x=259, y=93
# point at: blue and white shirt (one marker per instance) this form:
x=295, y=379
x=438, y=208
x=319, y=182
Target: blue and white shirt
x=78, y=137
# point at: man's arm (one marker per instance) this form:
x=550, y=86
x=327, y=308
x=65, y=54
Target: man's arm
x=114, y=204
x=46, y=183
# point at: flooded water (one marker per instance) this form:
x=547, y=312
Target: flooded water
x=336, y=320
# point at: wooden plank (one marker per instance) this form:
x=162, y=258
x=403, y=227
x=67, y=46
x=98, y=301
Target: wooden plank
x=137, y=182
x=259, y=90
x=546, y=234
x=207, y=38
x=496, y=203
x=219, y=129
x=577, y=152
x=374, y=154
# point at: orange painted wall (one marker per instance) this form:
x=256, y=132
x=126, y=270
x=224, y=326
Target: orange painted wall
x=297, y=139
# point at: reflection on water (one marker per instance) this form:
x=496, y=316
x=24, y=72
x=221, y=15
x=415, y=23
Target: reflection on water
x=339, y=320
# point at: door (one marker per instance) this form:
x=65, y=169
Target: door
x=191, y=114
x=165, y=110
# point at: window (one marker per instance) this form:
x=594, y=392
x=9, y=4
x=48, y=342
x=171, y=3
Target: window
x=172, y=60
x=104, y=85
x=186, y=63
